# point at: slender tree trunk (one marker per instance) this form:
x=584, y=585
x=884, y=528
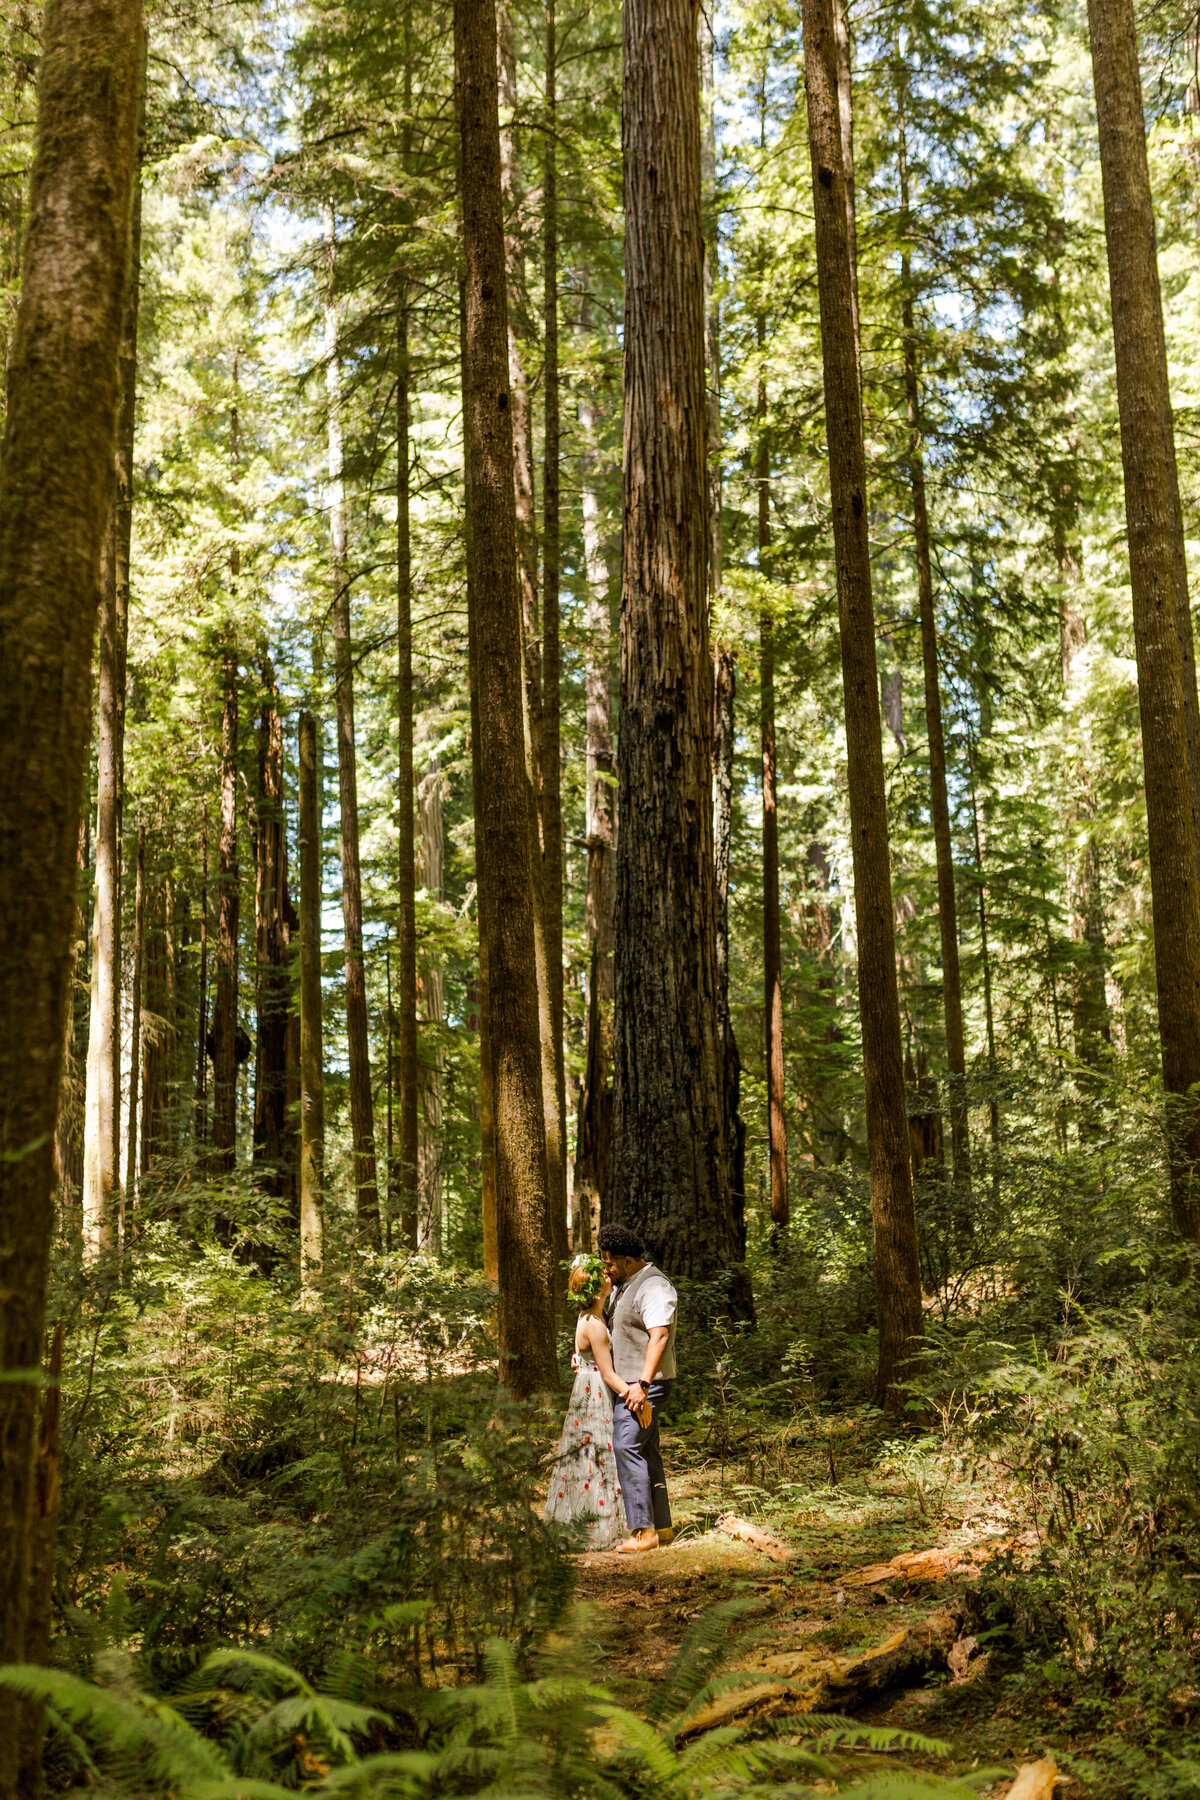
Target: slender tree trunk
x=273, y=990
x=135, y=1029
x=99, y=1172
x=670, y=1139
x=512, y=189
x=406, y=889
x=362, y=1115
x=593, y=1142
x=897, y=1268
x=1166, y=701
x=550, y=770
x=504, y=846
x=772, y=955
x=59, y=436
x=40, y=1620
x=939, y=804
x=432, y=1009
x=225, y=999
x=200, y=1109
x=312, y=1072
x=724, y=658
x=1086, y=900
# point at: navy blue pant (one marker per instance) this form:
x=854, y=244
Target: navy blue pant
x=639, y=1463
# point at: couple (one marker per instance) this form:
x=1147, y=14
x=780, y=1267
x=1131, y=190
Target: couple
x=609, y=1448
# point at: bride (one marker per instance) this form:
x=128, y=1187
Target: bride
x=583, y=1481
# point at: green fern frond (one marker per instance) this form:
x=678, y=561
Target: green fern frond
x=171, y=1751
x=316, y=1715
x=903, y=1786
x=639, y=1739
x=236, y=1787
x=227, y=1664
x=391, y=1771
x=848, y=1734
x=708, y=1641
x=713, y=1689
x=503, y=1677
x=349, y=1675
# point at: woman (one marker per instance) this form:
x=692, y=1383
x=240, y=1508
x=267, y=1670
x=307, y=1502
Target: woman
x=583, y=1481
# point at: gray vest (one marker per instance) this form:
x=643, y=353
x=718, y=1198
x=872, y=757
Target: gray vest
x=630, y=1336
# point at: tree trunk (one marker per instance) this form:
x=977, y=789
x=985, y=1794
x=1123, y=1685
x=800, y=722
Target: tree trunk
x=312, y=1077
x=512, y=191
x=362, y=1114
x=40, y=1620
x=99, y=1170
x=504, y=846
x=593, y=1141
x=772, y=956
x=432, y=1009
x=135, y=1029
x=225, y=1000
x=897, y=1269
x=670, y=1141
x=724, y=658
x=551, y=749
x=406, y=875
x=59, y=437
x=273, y=988
x=199, y=1106
x=939, y=805
x=1085, y=897
x=1153, y=525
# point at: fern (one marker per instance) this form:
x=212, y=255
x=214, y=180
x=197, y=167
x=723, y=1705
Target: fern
x=708, y=1641
x=133, y=1726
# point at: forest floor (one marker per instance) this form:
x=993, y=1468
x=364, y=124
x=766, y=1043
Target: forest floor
x=816, y=1601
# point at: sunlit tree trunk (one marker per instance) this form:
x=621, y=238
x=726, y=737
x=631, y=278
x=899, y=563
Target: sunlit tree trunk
x=312, y=1076
x=1085, y=896
x=273, y=984
x=406, y=1059
x=670, y=1140
x=897, y=1269
x=59, y=438
x=431, y=1005
x=135, y=1032
x=593, y=1143
x=225, y=998
x=362, y=1109
x=551, y=748
x=1167, y=702
x=504, y=842
x=99, y=1172
x=772, y=954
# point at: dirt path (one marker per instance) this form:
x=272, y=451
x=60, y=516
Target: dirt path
x=817, y=1602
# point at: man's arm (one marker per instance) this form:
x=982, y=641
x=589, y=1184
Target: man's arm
x=657, y=1336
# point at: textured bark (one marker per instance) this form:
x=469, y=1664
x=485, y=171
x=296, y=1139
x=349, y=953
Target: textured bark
x=59, y=438
x=312, y=1076
x=135, y=1029
x=504, y=846
x=772, y=956
x=724, y=658
x=362, y=1111
x=405, y=851
x=593, y=1142
x=670, y=1145
x=939, y=805
x=897, y=1269
x=551, y=747
x=512, y=190
x=273, y=988
x=1153, y=525
x=225, y=999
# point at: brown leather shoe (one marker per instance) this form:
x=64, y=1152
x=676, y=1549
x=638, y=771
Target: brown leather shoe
x=638, y=1540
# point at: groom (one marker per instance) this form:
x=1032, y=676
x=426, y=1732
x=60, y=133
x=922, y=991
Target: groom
x=642, y=1322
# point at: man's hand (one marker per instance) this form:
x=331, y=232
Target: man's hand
x=635, y=1395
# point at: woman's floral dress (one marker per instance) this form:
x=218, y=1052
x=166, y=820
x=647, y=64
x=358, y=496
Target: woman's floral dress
x=583, y=1481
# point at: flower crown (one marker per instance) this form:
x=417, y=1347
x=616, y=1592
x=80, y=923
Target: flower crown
x=585, y=1280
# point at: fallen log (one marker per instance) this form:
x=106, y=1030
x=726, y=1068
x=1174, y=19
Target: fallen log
x=1035, y=1781
x=731, y=1526
x=916, y=1566
x=805, y=1681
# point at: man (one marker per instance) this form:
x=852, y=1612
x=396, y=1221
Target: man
x=642, y=1322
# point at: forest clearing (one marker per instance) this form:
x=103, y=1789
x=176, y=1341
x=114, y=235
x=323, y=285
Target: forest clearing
x=599, y=900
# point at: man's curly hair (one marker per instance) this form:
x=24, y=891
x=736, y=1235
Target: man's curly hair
x=620, y=1240
x=585, y=1280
